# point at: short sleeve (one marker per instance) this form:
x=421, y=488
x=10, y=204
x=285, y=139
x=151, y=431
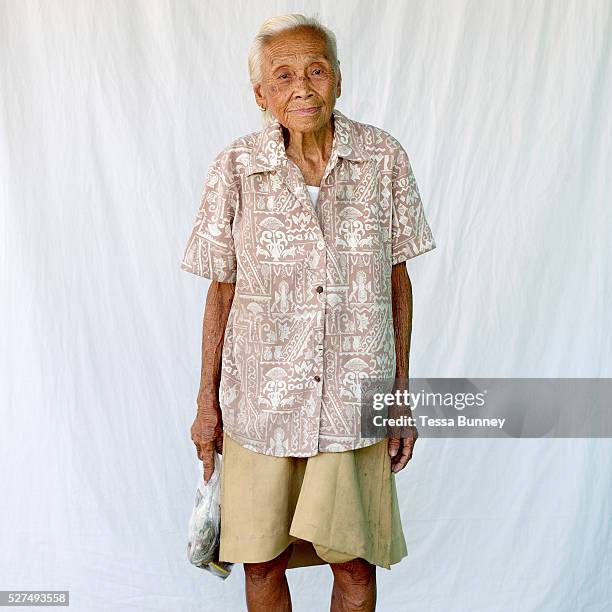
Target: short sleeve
x=410, y=232
x=210, y=249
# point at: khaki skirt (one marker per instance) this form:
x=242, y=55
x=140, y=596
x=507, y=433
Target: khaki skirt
x=332, y=507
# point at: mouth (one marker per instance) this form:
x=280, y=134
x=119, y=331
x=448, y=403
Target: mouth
x=311, y=110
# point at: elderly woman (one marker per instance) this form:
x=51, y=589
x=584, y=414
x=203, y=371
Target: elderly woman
x=303, y=229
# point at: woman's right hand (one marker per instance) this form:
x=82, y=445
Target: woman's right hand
x=207, y=435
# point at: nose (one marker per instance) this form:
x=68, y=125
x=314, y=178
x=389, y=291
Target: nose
x=303, y=84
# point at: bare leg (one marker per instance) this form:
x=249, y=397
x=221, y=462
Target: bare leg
x=266, y=584
x=354, y=586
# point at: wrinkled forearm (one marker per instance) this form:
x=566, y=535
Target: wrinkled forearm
x=401, y=299
x=216, y=312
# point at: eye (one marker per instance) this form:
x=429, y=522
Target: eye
x=284, y=75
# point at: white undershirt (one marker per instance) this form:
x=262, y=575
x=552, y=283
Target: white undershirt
x=314, y=194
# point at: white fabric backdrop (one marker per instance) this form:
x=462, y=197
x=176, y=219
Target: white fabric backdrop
x=110, y=115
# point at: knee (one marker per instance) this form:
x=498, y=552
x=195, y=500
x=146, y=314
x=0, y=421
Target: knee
x=356, y=572
x=268, y=570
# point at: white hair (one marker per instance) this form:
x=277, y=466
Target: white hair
x=281, y=23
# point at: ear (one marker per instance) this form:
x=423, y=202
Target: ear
x=339, y=85
x=259, y=98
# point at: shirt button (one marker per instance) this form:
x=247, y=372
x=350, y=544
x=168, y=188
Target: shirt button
x=320, y=244
x=319, y=289
x=317, y=378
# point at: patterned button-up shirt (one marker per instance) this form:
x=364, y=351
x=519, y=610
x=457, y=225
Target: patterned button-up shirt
x=312, y=313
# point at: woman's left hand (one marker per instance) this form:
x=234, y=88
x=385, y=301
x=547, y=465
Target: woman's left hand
x=400, y=450
x=402, y=443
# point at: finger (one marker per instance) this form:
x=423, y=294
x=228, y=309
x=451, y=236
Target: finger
x=219, y=445
x=393, y=446
x=209, y=464
x=398, y=455
x=409, y=444
x=400, y=461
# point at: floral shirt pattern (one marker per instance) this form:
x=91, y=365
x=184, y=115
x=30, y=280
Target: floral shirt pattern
x=312, y=313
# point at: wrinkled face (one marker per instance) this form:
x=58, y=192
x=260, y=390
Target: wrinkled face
x=298, y=82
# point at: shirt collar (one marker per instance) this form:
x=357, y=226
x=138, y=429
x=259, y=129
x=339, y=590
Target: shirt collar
x=269, y=149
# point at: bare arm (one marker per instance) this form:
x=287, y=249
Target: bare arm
x=207, y=428
x=400, y=449
x=216, y=311
x=401, y=299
